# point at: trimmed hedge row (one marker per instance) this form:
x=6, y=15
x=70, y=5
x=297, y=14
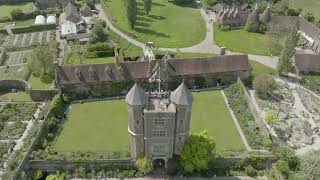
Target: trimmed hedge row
x=29, y=29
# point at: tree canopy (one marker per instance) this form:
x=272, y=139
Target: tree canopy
x=264, y=84
x=198, y=152
x=132, y=10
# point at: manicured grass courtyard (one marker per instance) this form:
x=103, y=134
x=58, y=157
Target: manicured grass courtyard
x=5, y=9
x=209, y=112
x=95, y=126
x=258, y=68
x=102, y=126
x=312, y=6
x=36, y=83
x=242, y=41
x=15, y=97
x=168, y=25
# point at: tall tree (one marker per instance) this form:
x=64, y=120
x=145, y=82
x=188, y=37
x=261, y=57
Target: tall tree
x=147, y=6
x=132, y=10
x=285, y=60
x=198, y=152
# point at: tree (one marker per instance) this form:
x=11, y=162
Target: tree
x=147, y=6
x=144, y=165
x=98, y=32
x=132, y=10
x=285, y=60
x=264, y=84
x=40, y=62
x=198, y=152
x=309, y=17
x=17, y=14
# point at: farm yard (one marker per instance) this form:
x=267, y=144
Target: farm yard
x=26, y=39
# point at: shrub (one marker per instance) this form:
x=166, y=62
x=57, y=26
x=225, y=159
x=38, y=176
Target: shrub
x=144, y=165
x=99, y=50
x=264, y=85
x=17, y=14
x=250, y=171
x=37, y=175
x=283, y=167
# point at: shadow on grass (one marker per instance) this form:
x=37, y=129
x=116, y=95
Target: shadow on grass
x=157, y=17
x=158, y=4
x=190, y=5
x=139, y=23
x=142, y=18
x=151, y=32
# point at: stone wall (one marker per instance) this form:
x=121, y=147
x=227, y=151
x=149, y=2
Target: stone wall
x=53, y=166
x=42, y=95
x=22, y=85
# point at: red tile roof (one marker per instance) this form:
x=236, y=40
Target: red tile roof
x=139, y=70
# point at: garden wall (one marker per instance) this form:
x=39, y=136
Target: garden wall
x=30, y=29
x=53, y=166
x=42, y=95
x=17, y=84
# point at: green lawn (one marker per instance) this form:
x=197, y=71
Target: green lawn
x=6, y=9
x=95, y=126
x=242, y=41
x=102, y=126
x=209, y=112
x=312, y=6
x=22, y=23
x=16, y=97
x=36, y=83
x=168, y=25
x=258, y=68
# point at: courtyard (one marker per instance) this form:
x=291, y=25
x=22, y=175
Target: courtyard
x=167, y=25
x=102, y=125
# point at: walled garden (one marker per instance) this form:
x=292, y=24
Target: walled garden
x=296, y=115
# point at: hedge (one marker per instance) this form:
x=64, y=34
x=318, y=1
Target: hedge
x=29, y=29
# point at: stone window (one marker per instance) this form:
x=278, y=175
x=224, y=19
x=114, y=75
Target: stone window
x=158, y=122
x=158, y=133
x=159, y=148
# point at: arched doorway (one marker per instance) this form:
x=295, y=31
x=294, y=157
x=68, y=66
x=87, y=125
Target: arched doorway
x=159, y=164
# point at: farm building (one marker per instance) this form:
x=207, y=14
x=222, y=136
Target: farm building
x=307, y=63
x=51, y=19
x=98, y=79
x=40, y=20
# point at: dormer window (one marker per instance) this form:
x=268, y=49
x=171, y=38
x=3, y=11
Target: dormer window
x=77, y=72
x=92, y=73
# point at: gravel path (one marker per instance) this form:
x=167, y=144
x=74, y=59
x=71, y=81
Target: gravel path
x=206, y=46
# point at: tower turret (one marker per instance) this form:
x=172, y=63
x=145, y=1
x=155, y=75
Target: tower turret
x=136, y=99
x=182, y=99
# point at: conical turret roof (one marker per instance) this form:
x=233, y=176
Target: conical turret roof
x=181, y=96
x=266, y=15
x=136, y=96
x=254, y=16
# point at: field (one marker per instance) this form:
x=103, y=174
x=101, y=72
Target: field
x=102, y=126
x=209, y=112
x=242, y=41
x=14, y=72
x=18, y=57
x=312, y=6
x=6, y=9
x=21, y=23
x=168, y=25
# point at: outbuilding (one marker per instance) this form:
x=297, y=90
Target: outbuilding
x=40, y=20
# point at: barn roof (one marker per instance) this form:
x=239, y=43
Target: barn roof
x=307, y=62
x=139, y=70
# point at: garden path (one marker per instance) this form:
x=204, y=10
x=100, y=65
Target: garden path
x=206, y=46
